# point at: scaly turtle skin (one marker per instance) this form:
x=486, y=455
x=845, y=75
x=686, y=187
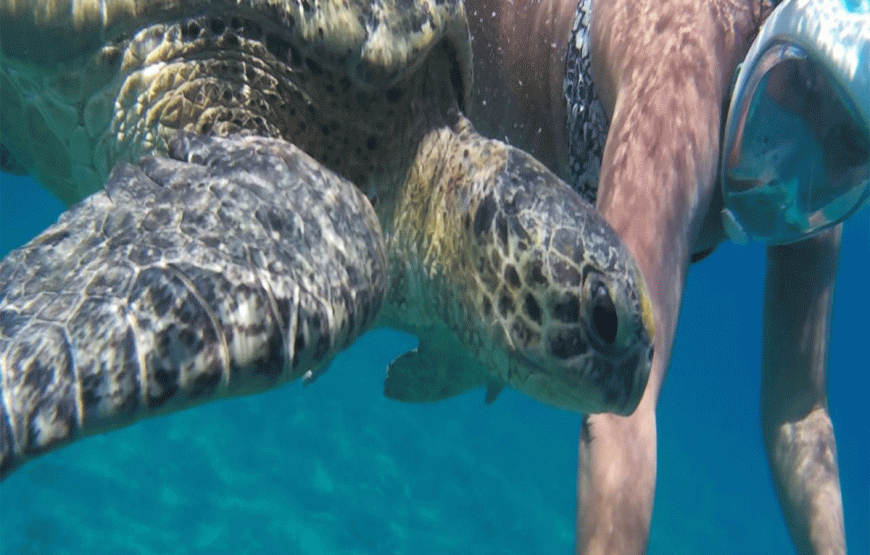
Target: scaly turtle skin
x=308, y=173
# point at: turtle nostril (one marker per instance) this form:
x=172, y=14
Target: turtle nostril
x=604, y=319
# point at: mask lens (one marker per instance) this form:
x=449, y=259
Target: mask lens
x=797, y=152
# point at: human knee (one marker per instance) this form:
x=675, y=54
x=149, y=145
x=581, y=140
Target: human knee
x=783, y=435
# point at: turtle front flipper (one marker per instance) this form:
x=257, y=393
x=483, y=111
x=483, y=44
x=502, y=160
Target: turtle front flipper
x=230, y=267
x=505, y=262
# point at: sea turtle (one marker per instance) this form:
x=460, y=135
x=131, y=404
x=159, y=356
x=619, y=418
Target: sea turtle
x=308, y=173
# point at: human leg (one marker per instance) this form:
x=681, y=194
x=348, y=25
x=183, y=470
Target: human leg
x=616, y=482
x=797, y=429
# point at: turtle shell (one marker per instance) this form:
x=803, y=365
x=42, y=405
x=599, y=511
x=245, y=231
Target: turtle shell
x=333, y=77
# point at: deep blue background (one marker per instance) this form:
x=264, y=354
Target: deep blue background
x=336, y=468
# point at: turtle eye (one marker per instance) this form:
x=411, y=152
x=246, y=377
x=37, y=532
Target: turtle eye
x=603, y=314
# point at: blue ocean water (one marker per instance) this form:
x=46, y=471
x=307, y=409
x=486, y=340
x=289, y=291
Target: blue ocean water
x=335, y=468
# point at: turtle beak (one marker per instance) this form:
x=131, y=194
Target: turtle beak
x=635, y=368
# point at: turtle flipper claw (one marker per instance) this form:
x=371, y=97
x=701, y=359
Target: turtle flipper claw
x=233, y=266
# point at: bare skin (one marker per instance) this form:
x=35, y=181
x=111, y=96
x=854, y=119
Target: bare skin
x=519, y=69
x=662, y=69
x=795, y=422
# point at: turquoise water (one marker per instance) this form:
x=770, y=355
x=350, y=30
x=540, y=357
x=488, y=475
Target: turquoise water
x=336, y=468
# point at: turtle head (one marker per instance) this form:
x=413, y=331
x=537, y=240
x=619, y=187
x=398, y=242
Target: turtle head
x=571, y=321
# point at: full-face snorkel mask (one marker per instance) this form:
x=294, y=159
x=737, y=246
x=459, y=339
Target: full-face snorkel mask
x=796, y=152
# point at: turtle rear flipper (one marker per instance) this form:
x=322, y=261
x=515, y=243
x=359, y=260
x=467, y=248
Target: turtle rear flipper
x=437, y=369
x=236, y=265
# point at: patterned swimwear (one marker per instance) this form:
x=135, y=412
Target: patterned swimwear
x=587, y=123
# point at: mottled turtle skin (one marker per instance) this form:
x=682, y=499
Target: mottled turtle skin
x=260, y=182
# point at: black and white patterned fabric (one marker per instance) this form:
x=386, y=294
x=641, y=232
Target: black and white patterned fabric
x=587, y=123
